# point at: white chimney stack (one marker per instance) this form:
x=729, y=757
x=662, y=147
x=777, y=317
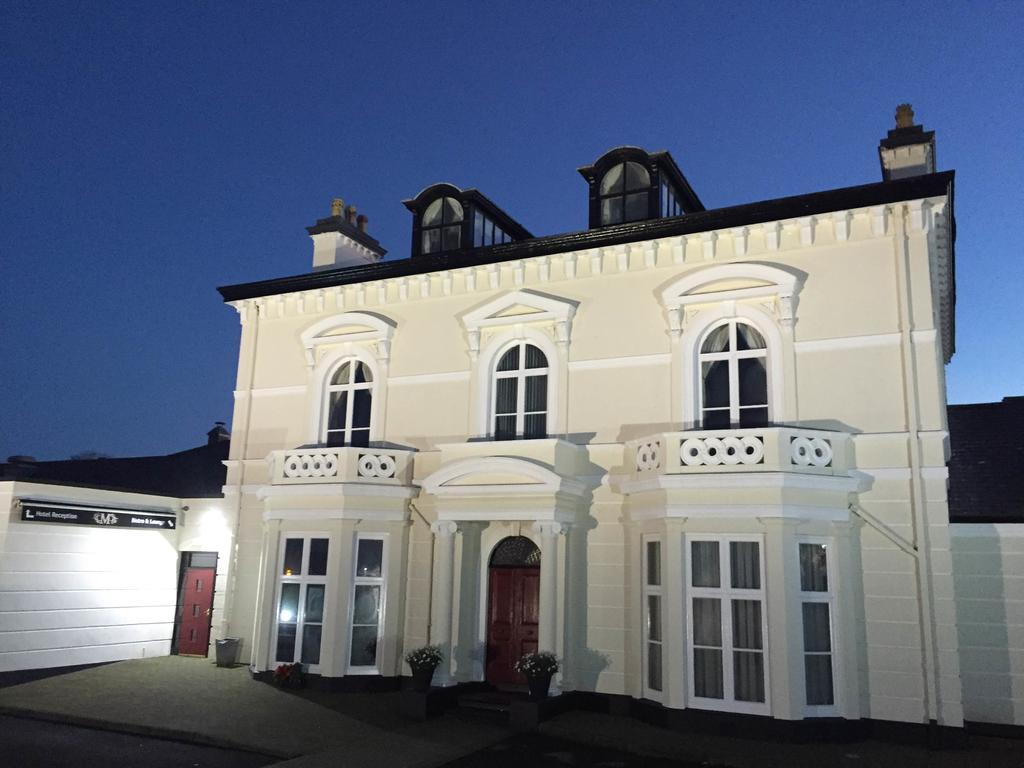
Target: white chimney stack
x=908, y=149
x=341, y=240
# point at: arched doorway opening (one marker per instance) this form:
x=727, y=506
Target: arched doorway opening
x=513, y=604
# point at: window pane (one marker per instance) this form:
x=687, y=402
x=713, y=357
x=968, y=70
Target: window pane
x=364, y=647
x=654, y=666
x=535, y=358
x=716, y=383
x=817, y=638
x=505, y=396
x=704, y=563
x=716, y=419
x=746, y=625
x=707, y=673
x=753, y=381
x=505, y=428
x=536, y=393
x=335, y=439
x=748, y=676
x=288, y=610
x=451, y=238
x=432, y=215
x=612, y=181
x=360, y=438
x=510, y=360
x=813, y=568
x=431, y=240
x=611, y=210
x=654, y=617
x=636, y=207
x=311, y=644
x=654, y=563
x=318, y=557
x=366, y=608
x=748, y=337
x=753, y=417
x=745, y=564
x=452, y=210
x=818, y=673
x=285, y=642
x=342, y=374
x=338, y=408
x=292, y=565
x=478, y=229
x=361, y=409
x=636, y=177
x=314, y=603
x=535, y=426
x=370, y=558
x=489, y=233
x=717, y=340
x=363, y=373
x=707, y=621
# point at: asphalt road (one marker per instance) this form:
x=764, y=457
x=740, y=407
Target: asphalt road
x=37, y=744
x=535, y=750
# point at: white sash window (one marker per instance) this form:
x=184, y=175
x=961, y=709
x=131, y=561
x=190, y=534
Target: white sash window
x=369, y=581
x=817, y=603
x=301, y=599
x=652, y=618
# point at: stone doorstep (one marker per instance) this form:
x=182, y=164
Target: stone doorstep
x=138, y=729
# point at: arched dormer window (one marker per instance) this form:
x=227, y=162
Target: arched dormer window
x=520, y=393
x=442, y=226
x=628, y=184
x=349, y=406
x=447, y=219
x=625, y=192
x=734, y=377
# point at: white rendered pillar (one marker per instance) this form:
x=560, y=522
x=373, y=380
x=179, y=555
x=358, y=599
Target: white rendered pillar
x=547, y=631
x=441, y=608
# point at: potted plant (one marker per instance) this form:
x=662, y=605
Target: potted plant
x=289, y=676
x=538, y=668
x=423, y=661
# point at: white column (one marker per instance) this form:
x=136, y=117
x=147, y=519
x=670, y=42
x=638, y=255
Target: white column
x=548, y=630
x=441, y=608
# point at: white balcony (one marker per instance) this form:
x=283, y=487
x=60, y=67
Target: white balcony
x=767, y=449
x=304, y=466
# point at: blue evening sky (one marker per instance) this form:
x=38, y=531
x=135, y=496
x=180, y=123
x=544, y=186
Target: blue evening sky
x=150, y=152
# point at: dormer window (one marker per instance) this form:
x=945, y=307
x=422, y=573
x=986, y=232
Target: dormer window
x=625, y=193
x=627, y=184
x=442, y=226
x=447, y=219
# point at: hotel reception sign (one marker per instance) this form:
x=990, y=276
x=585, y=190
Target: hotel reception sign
x=103, y=517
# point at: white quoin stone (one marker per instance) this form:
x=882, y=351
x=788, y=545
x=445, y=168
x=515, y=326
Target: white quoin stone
x=336, y=249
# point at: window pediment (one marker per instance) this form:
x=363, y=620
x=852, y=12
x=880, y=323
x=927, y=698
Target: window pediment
x=366, y=328
x=549, y=314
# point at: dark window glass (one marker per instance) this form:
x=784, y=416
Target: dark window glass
x=716, y=384
x=748, y=676
x=746, y=625
x=613, y=180
x=654, y=666
x=314, y=603
x=432, y=215
x=311, y=644
x=611, y=210
x=707, y=621
x=505, y=428
x=370, y=557
x=654, y=563
x=750, y=417
x=510, y=360
x=505, y=400
x=817, y=638
x=745, y=564
x=536, y=393
x=818, y=671
x=748, y=337
x=288, y=611
x=478, y=229
x=292, y=565
x=431, y=240
x=535, y=358
x=716, y=419
x=753, y=381
x=339, y=405
x=363, y=373
x=364, y=647
x=535, y=426
x=450, y=238
x=318, y=557
x=342, y=374
x=705, y=564
x=813, y=568
x=636, y=177
x=360, y=438
x=517, y=552
x=366, y=608
x=286, y=642
x=361, y=409
x=636, y=207
x=717, y=340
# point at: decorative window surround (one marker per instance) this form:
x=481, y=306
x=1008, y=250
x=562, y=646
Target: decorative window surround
x=524, y=315
x=361, y=336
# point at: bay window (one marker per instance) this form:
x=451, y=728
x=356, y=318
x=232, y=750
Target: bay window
x=301, y=598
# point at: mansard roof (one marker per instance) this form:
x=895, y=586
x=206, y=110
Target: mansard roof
x=865, y=195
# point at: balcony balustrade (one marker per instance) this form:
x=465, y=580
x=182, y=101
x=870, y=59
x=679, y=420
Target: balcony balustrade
x=767, y=449
x=383, y=466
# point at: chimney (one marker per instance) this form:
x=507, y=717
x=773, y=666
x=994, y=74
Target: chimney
x=908, y=149
x=341, y=240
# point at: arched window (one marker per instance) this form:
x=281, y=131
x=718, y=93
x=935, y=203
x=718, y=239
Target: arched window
x=442, y=226
x=624, y=193
x=734, y=377
x=521, y=393
x=349, y=405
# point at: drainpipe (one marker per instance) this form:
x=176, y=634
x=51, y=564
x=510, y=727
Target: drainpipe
x=926, y=610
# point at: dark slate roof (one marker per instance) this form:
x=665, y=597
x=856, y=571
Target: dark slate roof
x=193, y=473
x=881, y=193
x=986, y=468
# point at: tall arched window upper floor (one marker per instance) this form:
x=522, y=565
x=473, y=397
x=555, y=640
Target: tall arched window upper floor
x=733, y=358
x=348, y=356
x=518, y=345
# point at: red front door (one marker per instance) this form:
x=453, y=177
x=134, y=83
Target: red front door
x=196, y=605
x=512, y=603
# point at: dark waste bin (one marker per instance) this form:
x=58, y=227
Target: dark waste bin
x=227, y=652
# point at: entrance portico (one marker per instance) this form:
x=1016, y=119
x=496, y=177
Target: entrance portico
x=486, y=500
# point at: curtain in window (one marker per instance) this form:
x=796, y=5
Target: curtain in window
x=748, y=659
x=708, y=678
x=705, y=564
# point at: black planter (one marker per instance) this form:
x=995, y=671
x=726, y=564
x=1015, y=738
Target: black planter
x=421, y=677
x=539, y=685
